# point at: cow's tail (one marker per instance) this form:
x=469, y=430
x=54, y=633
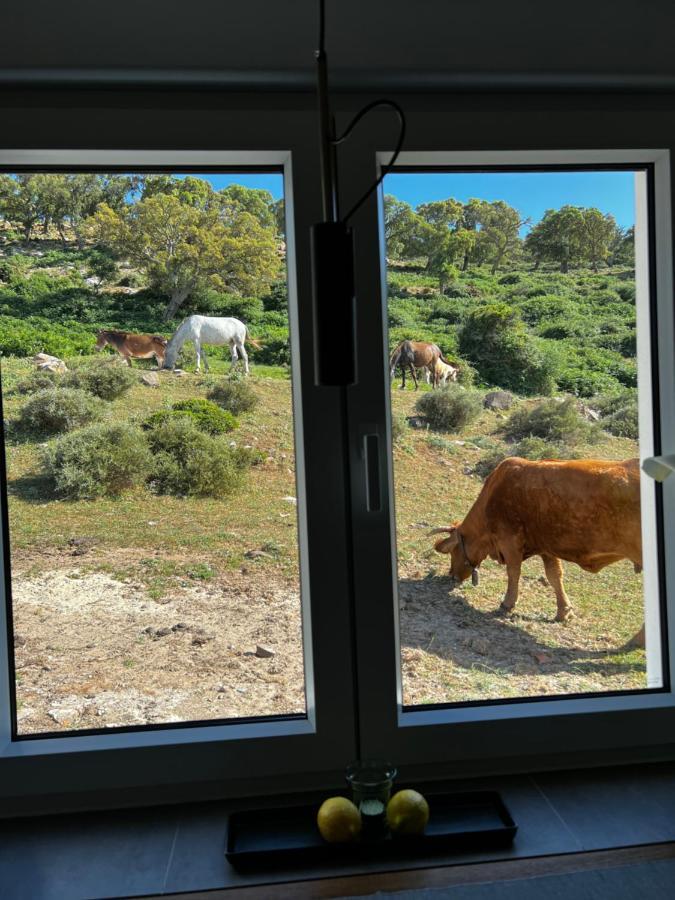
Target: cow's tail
x=256, y=344
x=448, y=363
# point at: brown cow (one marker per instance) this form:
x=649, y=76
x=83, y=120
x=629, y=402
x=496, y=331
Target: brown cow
x=416, y=355
x=138, y=346
x=583, y=511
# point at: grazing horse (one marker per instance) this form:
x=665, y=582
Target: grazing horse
x=138, y=346
x=210, y=330
x=416, y=355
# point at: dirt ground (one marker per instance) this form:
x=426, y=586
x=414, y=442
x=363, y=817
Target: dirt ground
x=94, y=652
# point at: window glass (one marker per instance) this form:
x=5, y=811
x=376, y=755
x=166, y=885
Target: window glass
x=149, y=440
x=518, y=305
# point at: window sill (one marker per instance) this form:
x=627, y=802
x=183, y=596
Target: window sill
x=180, y=848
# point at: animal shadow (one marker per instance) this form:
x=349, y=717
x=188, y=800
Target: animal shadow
x=444, y=623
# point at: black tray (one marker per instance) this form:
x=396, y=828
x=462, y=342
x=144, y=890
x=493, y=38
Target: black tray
x=476, y=820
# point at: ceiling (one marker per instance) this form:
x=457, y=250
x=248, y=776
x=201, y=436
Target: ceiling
x=271, y=42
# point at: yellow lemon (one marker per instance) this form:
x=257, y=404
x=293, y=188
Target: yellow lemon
x=407, y=812
x=338, y=820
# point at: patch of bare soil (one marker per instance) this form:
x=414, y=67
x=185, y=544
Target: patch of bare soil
x=95, y=652
x=456, y=646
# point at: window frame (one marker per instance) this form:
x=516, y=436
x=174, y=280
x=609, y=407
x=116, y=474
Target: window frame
x=495, y=736
x=234, y=755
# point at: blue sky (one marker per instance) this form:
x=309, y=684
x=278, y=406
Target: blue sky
x=532, y=193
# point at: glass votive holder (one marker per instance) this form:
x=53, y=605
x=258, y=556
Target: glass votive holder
x=371, y=781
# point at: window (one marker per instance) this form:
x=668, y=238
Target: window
x=353, y=696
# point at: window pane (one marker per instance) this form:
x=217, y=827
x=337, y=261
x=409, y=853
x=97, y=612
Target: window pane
x=152, y=512
x=517, y=292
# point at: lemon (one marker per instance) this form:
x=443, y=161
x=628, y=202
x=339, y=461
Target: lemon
x=338, y=820
x=407, y=812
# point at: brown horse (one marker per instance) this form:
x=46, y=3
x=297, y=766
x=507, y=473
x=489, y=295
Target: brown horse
x=416, y=355
x=138, y=346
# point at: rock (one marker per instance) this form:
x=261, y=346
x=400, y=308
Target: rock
x=293, y=500
x=201, y=637
x=179, y=372
x=264, y=652
x=81, y=545
x=180, y=626
x=255, y=554
x=162, y=632
x=498, y=400
x=417, y=422
x=19, y=640
x=151, y=379
x=591, y=414
x=47, y=363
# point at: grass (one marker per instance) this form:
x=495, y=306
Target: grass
x=218, y=532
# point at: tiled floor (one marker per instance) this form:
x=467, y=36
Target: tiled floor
x=165, y=850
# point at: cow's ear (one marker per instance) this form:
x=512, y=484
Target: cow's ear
x=446, y=544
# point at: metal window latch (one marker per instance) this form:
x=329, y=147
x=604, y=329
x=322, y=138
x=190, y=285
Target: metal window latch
x=370, y=451
x=659, y=467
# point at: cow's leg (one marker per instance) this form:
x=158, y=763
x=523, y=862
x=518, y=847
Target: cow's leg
x=206, y=362
x=513, y=566
x=402, y=388
x=198, y=351
x=127, y=358
x=414, y=376
x=554, y=574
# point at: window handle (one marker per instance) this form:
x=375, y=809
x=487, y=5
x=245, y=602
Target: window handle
x=371, y=453
x=659, y=467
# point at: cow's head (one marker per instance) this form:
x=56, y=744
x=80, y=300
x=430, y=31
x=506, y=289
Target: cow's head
x=453, y=543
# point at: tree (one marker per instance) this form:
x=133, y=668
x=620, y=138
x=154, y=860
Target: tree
x=598, y=233
x=404, y=230
x=182, y=248
x=193, y=191
x=23, y=201
x=257, y=202
x=500, y=232
x=622, y=250
x=558, y=237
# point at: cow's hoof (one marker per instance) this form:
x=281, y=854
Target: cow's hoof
x=565, y=616
x=505, y=610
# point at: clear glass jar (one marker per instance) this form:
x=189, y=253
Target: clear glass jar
x=371, y=781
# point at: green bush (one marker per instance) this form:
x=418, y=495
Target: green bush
x=556, y=421
x=58, y=409
x=189, y=463
x=105, y=380
x=98, y=461
x=619, y=414
x=30, y=335
x=236, y=396
x=529, y=448
x=450, y=408
x=399, y=427
x=40, y=380
x=205, y=415
x=496, y=342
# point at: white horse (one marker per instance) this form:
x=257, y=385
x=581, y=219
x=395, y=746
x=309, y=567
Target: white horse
x=209, y=330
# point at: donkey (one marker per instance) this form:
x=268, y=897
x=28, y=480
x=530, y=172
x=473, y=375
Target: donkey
x=136, y=346
x=416, y=355
x=210, y=330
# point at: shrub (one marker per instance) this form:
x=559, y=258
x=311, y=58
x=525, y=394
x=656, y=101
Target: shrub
x=40, y=380
x=399, y=427
x=188, y=462
x=105, y=380
x=496, y=342
x=619, y=414
x=30, y=335
x=205, y=415
x=58, y=409
x=529, y=448
x=235, y=396
x=552, y=420
x=450, y=408
x=101, y=460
